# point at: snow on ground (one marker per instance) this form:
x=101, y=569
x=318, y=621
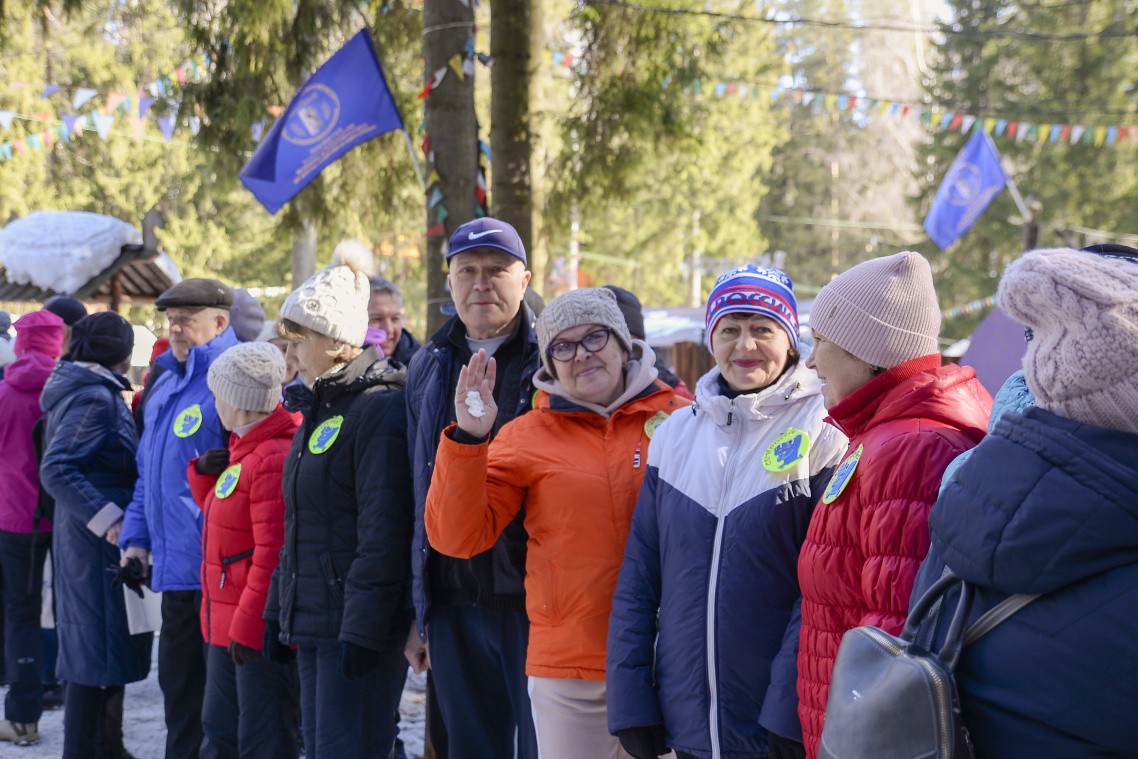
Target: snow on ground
x=145, y=732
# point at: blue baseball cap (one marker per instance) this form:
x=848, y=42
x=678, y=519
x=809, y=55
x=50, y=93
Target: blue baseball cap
x=487, y=233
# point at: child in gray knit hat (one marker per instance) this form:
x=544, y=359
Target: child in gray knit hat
x=239, y=491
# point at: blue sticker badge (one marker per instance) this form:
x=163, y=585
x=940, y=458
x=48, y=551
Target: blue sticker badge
x=188, y=421
x=786, y=451
x=842, y=477
x=227, y=482
x=323, y=436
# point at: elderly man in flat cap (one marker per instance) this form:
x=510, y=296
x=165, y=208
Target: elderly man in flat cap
x=162, y=524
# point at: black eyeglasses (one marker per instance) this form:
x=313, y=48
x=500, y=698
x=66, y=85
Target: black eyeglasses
x=566, y=350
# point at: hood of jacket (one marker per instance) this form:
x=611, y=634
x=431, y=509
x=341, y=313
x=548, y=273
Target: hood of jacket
x=917, y=389
x=795, y=383
x=29, y=372
x=1070, y=511
x=200, y=356
x=639, y=376
x=362, y=372
x=69, y=377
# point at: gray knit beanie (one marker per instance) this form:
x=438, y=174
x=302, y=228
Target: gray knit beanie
x=883, y=311
x=333, y=302
x=248, y=376
x=590, y=305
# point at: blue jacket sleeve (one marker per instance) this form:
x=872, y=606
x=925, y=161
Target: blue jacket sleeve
x=83, y=427
x=135, y=531
x=779, y=714
x=632, y=700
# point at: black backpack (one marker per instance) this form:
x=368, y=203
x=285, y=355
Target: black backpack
x=893, y=698
x=45, y=506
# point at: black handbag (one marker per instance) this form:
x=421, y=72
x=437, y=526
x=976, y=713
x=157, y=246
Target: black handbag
x=893, y=698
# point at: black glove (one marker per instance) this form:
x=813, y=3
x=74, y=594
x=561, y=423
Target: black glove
x=356, y=661
x=242, y=654
x=643, y=742
x=213, y=461
x=785, y=748
x=131, y=575
x=271, y=647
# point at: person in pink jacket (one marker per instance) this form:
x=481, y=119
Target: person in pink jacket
x=24, y=540
x=906, y=416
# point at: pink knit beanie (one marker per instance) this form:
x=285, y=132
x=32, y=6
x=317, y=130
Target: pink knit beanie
x=883, y=311
x=1082, y=359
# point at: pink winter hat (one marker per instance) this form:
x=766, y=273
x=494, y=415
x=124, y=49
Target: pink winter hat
x=39, y=332
x=1082, y=309
x=883, y=311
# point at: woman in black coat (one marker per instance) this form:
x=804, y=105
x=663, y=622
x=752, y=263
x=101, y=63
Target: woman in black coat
x=342, y=583
x=89, y=469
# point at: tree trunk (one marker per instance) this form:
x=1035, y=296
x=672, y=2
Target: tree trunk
x=515, y=139
x=450, y=125
x=304, y=253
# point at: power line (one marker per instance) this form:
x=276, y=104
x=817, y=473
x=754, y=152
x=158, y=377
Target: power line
x=885, y=26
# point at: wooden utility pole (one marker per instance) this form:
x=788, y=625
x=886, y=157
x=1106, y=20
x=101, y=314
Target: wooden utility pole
x=452, y=136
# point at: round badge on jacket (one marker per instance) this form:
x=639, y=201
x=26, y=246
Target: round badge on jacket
x=655, y=421
x=842, y=477
x=227, y=482
x=786, y=451
x=325, y=435
x=188, y=421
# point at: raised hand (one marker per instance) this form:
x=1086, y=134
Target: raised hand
x=476, y=415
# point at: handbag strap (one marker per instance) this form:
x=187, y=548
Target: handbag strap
x=997, y=614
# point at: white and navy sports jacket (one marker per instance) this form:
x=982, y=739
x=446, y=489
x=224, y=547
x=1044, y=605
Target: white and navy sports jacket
x=704, y=628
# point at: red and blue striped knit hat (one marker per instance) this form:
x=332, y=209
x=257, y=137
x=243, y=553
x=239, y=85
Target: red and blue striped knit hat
x=754, y=289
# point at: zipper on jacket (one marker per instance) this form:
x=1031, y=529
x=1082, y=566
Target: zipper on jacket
x=226, y=561
x=712, y=589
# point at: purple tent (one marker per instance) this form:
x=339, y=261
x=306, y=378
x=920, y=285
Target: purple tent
x=996, y=350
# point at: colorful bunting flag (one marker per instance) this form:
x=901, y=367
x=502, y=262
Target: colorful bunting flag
x=82, y=96
x=6, y=119
x=103, y=124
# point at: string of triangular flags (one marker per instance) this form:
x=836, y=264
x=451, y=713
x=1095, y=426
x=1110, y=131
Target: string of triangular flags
x=974, y=307
x=939, y=119
x=461, y=64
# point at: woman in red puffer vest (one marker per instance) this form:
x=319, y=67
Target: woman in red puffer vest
x=239, y=491
x=907, y=417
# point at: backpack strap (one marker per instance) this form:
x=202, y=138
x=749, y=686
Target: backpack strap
x=997, y=614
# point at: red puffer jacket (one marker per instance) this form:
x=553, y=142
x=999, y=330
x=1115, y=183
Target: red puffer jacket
x=870, y=531
x=243, y=531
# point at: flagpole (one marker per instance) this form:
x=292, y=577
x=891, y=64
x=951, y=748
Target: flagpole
x=415, y=158
x=406, y=137
x=1010, y=182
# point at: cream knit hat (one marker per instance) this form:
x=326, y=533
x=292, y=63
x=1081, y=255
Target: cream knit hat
x=883, y=311
x=589, y=305
x=333, y=302
x=1082, y=359
x=248, y=376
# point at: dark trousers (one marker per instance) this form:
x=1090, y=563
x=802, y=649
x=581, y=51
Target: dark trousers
x=181, y=672
x=348, y=718
x=85, y=721
x=249, y=711
x=478, y=661
x=21, y=580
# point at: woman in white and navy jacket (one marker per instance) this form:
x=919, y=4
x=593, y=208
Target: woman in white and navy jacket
x=710, y=568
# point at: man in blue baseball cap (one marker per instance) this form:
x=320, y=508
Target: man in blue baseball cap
x=471, y=612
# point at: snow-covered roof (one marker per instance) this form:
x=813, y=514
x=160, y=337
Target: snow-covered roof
x=78, y=253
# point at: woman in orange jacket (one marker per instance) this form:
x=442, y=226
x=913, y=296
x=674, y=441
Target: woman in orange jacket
x=575, y=464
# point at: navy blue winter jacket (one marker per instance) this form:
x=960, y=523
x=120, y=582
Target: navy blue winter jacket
x=88, y=467
x=1047, y=505
x=710, y=570
x=430, y=407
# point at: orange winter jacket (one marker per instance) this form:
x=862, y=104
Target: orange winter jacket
x=578, y=475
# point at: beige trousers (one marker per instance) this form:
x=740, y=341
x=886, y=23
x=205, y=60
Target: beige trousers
x=571, y=719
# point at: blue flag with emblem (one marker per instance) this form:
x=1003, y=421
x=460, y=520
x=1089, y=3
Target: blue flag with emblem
x=346, y=102
x=973, y=180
